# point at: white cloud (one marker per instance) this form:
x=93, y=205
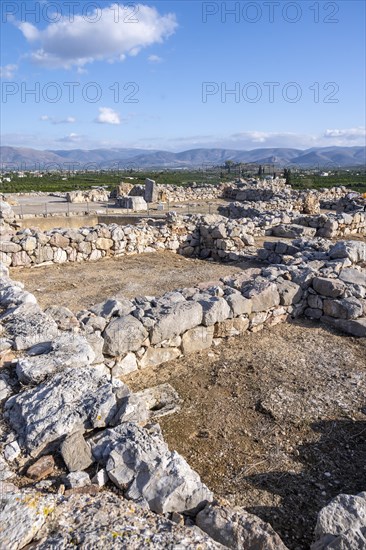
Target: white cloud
x=154, y=59
x=348, y=134
x=71, y=138
x=111, y=37
x=67, y=120
x=108, y=116
x=8, y=71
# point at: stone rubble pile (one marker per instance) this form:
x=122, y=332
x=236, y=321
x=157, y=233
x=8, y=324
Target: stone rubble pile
x=72, y=428
x=333, y=275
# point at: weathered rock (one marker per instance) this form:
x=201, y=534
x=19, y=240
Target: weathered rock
x=42, y=468
x=239, y=305
x=22, y=514
x=231, y=327
x=160, y=400
x=180, y=317
x=106, y=521
x=132, y=408
x=157, y=356
x=76, y=452
x=354, y=276
x=292, y=231
x=29, y=325
x=5, y=471
x=72, y=400
x=122, y=335
x=215, y=310
x=11, y=451
x=237, y=529
x=354, y=250
x=141, y=462
x=125, y=366
x=67, y=350
x=355, y=327
x=64, y=317
x=263, y=295
x=290, y=293
x=346, y=308
x=134, y=203
x=111, y=307
x=75, y=480
x=342, y=524
x=151, y=191
x=332, y=288
x=197, y=339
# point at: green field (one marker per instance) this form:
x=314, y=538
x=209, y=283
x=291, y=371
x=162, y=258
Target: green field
x=53, y=182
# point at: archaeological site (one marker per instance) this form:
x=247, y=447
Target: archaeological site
x=183, y=377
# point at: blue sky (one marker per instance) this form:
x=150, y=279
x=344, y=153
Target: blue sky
x=158, y=75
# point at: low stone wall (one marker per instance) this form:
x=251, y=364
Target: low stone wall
x=186, y=235
x=335, y=225
x=333, y=278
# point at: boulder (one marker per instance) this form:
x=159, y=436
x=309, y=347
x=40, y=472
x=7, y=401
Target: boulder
x=332, y=288
x=122, y=335
x=63, y=316
x=139, y=462
x=42, y=468
x=239, y=305
x=342, y=524
x=137, y=204
x=355, y=327
x=112, y=307
x=215, y=310
x=197, y=339
x=125, y=366
x=346, y=308
x=176, y=320
x=151, y=191
x=353, y=276
x=72, y=400
x=263, y=294
x=290, y=293
x=237, y=529
x=354, y=250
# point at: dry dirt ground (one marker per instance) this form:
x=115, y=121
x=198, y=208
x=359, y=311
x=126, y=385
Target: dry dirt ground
x=79, y=286
x=273, y=421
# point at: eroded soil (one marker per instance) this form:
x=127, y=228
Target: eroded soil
x=273, y=421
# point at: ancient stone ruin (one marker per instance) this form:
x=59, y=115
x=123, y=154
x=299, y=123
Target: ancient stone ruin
x=83, y=461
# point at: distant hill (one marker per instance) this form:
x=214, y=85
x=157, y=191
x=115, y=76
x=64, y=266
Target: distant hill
x=20, y=158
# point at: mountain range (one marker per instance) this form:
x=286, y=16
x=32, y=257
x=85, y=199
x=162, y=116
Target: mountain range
x=20, y=158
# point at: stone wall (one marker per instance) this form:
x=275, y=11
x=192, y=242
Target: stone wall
x=186, y=235
x=335, y=225
x=333, y=277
